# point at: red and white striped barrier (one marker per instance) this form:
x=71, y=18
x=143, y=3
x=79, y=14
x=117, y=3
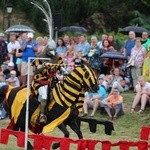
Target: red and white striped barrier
x=41, y=141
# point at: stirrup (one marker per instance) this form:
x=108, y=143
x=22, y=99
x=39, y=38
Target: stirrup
x=42, y=119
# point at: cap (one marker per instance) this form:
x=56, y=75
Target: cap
x=1, y=34
x=101, y=76
x=11, y=64
x=30, y=35
x=13, y=72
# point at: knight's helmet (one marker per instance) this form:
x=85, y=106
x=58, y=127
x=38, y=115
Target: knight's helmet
x=36, y=64
x=50, y=49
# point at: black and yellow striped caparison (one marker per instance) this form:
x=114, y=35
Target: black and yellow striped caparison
x=72, y=90
x=68, y=95
x=44, y=74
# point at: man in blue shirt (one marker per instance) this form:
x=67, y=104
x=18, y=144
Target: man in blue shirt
x=83, y=46
x=28, y=47
x=93, y=99
x=129, y=44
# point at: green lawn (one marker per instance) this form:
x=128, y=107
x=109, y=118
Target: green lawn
x=127, y=127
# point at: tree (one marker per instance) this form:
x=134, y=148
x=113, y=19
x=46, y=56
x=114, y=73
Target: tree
x=96, y=15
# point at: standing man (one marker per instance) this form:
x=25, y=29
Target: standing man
x=104, y=37
x=12, y=46
x=83, y=46
x=145, y=40
x=28, y=47
x=66, y=40
x=129, y=44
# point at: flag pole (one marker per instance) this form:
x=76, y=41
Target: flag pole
x=27, y=102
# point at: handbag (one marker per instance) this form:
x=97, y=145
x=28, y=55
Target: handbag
x=131, y=63
x=91, y=53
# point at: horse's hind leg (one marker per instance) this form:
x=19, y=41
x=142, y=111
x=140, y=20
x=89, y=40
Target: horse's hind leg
x=63, y=128
x=74, y=126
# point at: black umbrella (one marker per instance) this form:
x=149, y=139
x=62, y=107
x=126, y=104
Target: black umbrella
x=113, y=55
x=73, y=29
x=19, y=28
x=136, y=29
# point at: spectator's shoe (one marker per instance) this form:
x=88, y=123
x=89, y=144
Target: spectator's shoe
x=132, y=110
x=115, y=118
x=140, y=111
x=110, y=118
x=1, y=118
x=84, y=115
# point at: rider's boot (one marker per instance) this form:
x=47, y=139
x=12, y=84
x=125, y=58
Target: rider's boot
x=42, y=117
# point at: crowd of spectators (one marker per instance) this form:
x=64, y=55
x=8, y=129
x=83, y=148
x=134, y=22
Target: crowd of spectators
x=112, y=78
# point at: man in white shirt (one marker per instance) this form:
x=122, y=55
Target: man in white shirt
x=12, y=46
x=83, y=46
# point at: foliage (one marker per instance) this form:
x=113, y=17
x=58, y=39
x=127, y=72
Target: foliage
x=97, y=15
x=140, y=19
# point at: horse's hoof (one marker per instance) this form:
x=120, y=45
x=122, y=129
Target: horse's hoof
x=55, y=146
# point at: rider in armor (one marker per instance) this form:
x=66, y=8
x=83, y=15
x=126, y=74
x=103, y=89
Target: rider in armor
x=44, y=75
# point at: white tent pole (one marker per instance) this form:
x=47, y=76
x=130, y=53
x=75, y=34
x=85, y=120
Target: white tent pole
x=27, y=102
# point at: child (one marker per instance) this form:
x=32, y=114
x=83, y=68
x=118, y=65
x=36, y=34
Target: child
x=13, y=80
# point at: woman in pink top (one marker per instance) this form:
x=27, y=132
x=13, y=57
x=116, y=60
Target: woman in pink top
x=113, y=101
x=138, y=54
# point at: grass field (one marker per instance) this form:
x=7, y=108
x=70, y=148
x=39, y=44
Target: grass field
x=127, y=127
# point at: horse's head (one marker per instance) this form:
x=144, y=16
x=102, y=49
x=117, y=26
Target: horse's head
x=3, y=90
x=88, y=78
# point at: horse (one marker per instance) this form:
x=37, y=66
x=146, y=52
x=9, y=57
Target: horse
x=63, y=109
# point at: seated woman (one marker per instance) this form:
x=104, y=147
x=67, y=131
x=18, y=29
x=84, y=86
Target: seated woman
x=113, y=101
x=118, y=82
x=93, y=100
x=142, y=94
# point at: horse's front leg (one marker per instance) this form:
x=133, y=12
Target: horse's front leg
x=63, y=128
x=74, y=126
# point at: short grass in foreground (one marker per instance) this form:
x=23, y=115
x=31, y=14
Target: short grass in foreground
x=127, y=127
